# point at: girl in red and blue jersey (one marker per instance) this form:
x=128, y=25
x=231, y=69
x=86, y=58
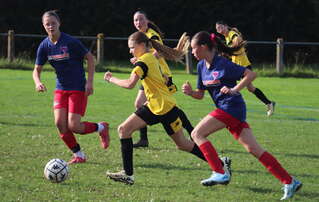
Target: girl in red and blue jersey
x=66, y=55
x=219, y=77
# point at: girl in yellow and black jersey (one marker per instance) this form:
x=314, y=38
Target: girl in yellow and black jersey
x=152, y=31
x=160, y=107
x=233, y=38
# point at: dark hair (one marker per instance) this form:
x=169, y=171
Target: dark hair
x=221, y=22
x=51, y=13
x=151, y=24
x=165, y=51
x=212, y=41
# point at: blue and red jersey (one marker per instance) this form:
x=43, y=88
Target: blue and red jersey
x=220, y=73
x=66, y=57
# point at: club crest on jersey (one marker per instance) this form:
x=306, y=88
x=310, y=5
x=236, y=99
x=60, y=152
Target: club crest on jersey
x=215, y=75
x=214, y=82
x=62, y=56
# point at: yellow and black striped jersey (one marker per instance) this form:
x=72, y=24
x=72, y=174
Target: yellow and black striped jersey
x=160, y=100
x=241, y=57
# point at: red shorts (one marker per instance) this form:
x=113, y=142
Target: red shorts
x=72, y=100
x=234, y=125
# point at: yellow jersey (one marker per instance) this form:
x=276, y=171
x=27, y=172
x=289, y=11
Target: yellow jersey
x=152, y=34
x=160, y=100
x=241, y=57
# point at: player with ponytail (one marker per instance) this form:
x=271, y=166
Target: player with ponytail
x=219, y=77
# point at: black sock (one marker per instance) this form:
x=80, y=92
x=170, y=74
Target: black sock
x=76, y=148
x=143, y=133
x=260, y=95
x=185, y=122
x=127, y=155
x=197, y=152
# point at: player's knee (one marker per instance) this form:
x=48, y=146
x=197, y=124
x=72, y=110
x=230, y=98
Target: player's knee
x=74, y=127
x=122, y=131
x=194, y=135
x=62, y=127
x=251, y=89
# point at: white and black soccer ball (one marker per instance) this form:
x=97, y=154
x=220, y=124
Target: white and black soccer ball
x=56, y=170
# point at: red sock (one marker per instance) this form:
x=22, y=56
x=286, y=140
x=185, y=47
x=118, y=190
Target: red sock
x=69, y=139
x=211, y=156
x=274, y=167
x=89, y=127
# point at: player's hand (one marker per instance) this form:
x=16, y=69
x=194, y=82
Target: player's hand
x=107, y=76
x=89, y=88
x=133, y=60
x=227, y=90
x=156, y=54
x=40, y=87
x=187, y=88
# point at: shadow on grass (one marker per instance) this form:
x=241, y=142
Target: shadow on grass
x=25, y=124
x=164, y=166
x=308, y=156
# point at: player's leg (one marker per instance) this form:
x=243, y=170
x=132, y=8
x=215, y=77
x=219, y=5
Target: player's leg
x=204, y=128
x=185, y=121
x=291, y=185
x=77, y=107
x=139, y=102
x=262, y=97
x=125, y=130
x=61, y=122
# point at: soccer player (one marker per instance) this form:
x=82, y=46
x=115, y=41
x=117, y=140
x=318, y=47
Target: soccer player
x=233, y=38
x=152, y=31
x=66, y=55
x=160, y=108
x=219, y=76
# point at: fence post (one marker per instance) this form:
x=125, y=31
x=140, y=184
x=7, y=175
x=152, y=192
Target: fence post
x=188, y=60
x=100, y=48
x=280, y=56
x=10, y=45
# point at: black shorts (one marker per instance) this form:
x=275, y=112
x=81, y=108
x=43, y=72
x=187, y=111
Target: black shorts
x=170, y=121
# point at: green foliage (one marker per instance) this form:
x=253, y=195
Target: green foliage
x=29, y=140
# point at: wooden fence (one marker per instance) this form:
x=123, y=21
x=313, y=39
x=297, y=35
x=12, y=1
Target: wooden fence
x=100, y=38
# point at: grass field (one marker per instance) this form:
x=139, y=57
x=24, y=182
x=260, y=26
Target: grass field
x=29, y=140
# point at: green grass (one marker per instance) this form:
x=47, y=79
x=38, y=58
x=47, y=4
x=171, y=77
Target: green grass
x=263, y=70
x=29, y=140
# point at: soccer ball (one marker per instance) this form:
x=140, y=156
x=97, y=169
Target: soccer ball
x=56, y=170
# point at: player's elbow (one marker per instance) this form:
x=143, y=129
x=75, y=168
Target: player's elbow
x=130, y=85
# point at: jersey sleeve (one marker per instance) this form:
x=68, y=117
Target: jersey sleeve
x=42, y=55
x=199, y=78
x=141, y=69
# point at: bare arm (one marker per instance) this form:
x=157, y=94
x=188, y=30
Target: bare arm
x=91, y=69
x=236, y=41
x=196, y=94
x=124, y=83
x=39, y=86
